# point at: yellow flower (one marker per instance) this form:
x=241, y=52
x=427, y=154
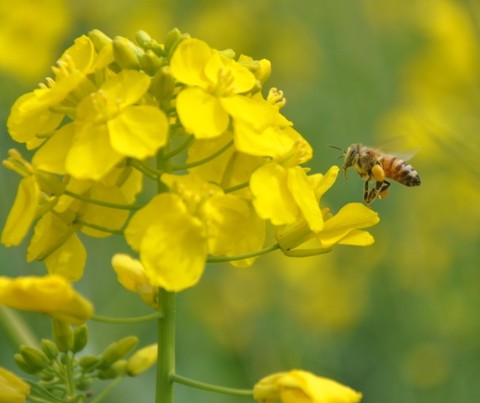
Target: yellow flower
x=171, y=242
x=211, y=78
x=52, y=295
x=175, y=231
x=283, y=194
x=131, y=274
x=32, y=196
x=343, y=228
x=299, y=386
x=36, y=114
x=110, y=125
x=12, y=388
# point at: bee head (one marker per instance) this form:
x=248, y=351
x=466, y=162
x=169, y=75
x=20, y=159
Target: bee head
x=349, y=155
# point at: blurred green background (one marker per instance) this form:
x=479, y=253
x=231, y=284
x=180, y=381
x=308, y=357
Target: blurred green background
x=399, y=320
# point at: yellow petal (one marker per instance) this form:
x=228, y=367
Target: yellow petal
x=139, y=131
x=68, y=260
x=146, y=216
x=103, y=216
x=12, y=388
x=350, y=217
x=201, y=113
x=257, y=112
x=272, y=199
x=51, y=156
x=91, y=155
x=234, y=227
x=52, y=295
x=174, y=249
x=189, y=60
x=22, y=213
x=304, y=196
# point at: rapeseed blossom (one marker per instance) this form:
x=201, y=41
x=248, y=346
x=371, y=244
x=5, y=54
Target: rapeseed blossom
x=12, y=388
x=196, y=121
x=227, y=167
x=52, y=295
x=302, y=387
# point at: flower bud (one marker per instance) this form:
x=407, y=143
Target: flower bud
x=117, y=350
x=142, y=360
x=34, y=357
x=297, y=385
x=163, y=85
x=173, y=39
x=49, y=348
x=88, y=362
x=99, y=39
x=150, y=62
x=126, y=54
x=20, y=362
x=80, y=338
x=62, y=335
x=84, y=383
x=115, y=370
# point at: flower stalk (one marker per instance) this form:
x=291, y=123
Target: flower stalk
x=166, y=348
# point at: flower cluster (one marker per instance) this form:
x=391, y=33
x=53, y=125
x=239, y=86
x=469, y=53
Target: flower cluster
x=197, y=123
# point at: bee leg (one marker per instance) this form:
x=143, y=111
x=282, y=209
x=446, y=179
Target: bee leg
x=379, y=192
x=384, y=189
x=366, y=193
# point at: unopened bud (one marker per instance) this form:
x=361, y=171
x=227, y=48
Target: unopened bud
x=117, y=350
x=20, y=362
x=126, y=54
x=173, y=39
x=142, y=360
x=163, y=85
x=115, y=370
x=84, y=383
x=80, y=338
x=62, y=335
x=150, y=62
x=49, y=348
x=34, y=357
x=88, y=362
x=99, y=39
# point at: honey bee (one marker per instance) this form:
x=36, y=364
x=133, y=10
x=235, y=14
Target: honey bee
x=372, y=164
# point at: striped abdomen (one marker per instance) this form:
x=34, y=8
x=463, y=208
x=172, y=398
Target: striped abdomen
x=399, y=170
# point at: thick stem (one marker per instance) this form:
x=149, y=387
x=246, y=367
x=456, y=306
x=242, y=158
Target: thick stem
x=166, y=348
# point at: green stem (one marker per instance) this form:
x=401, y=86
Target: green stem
x=166, y=348
x=211, y=388
x=136, y=319
x=264, y=251
x=103, y=203
x=99, y=227
x=203, y=160
x=145, y=169
x=236, y=187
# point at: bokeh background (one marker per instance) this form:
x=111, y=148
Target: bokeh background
x=399, y=320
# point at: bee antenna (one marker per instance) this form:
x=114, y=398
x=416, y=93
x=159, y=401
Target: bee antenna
x=338, y=148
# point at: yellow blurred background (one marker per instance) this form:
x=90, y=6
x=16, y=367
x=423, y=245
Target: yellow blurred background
x=399, y=320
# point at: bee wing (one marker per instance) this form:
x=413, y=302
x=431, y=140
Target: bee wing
x=399, y=146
